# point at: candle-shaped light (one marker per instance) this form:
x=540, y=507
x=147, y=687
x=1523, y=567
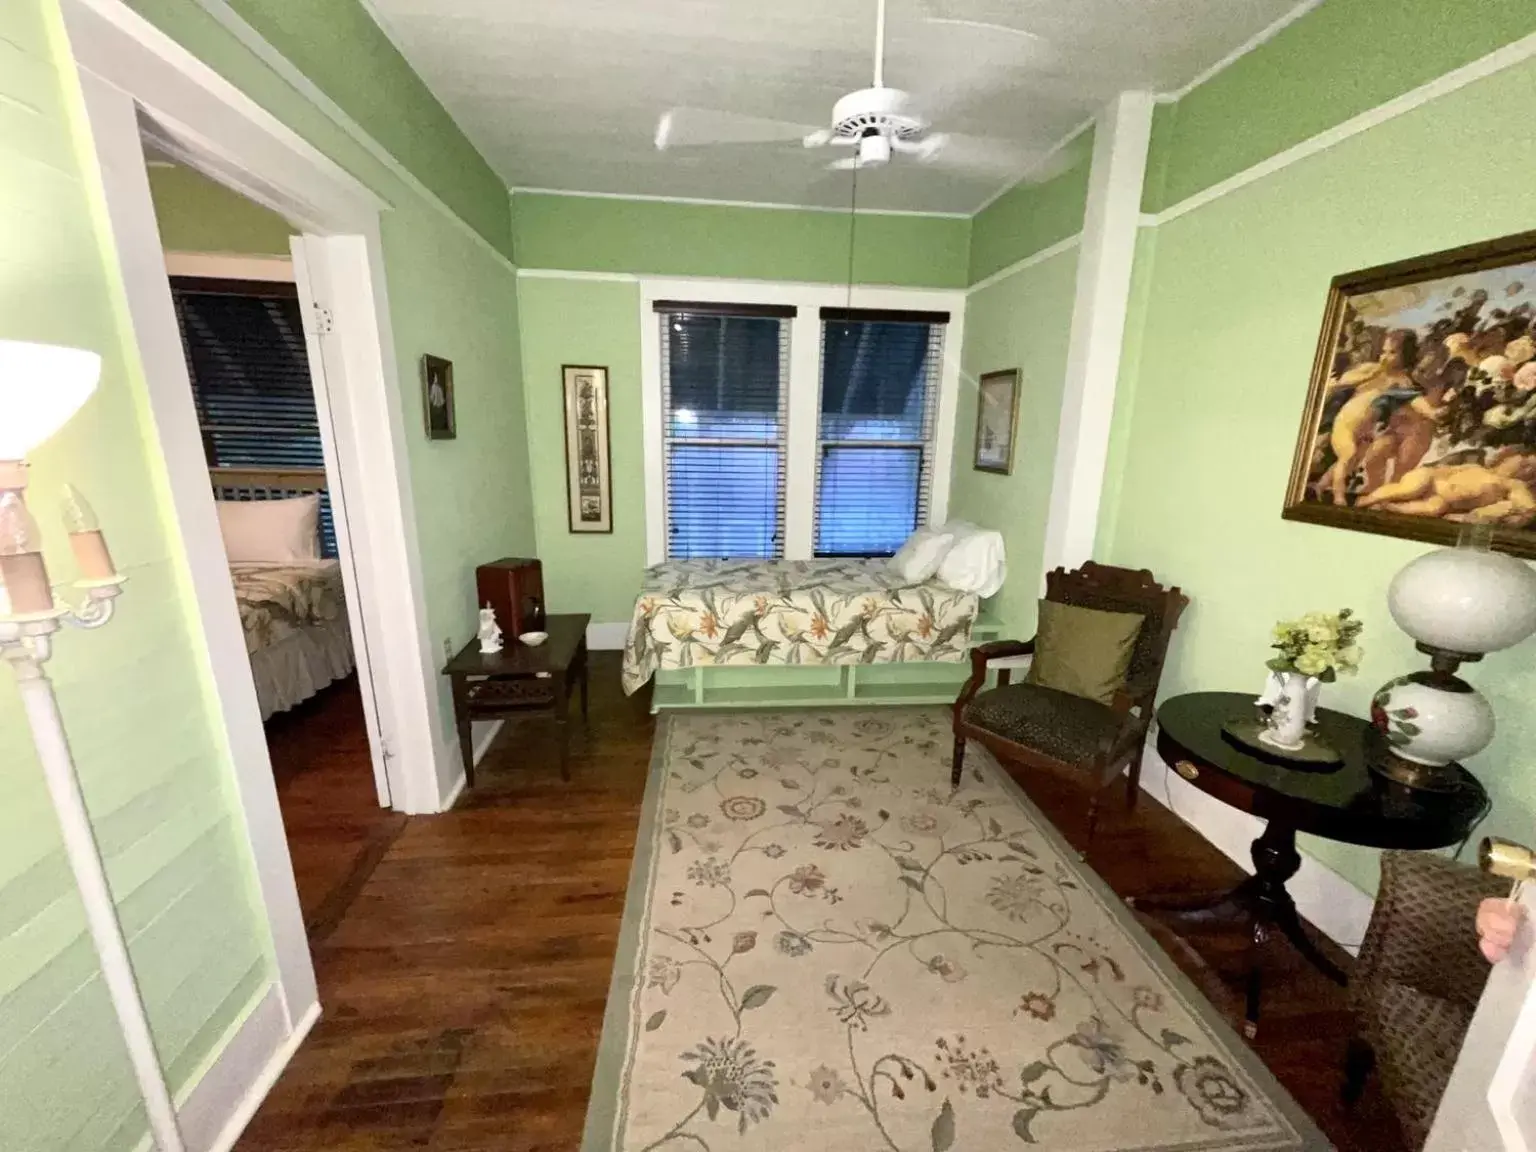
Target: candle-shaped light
x=21, y=559
x=85, y=537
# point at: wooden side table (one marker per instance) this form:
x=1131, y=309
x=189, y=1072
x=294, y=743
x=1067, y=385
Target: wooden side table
x=522, y=679
x=1346, y=802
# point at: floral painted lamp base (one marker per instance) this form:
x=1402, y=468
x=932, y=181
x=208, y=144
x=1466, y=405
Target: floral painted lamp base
x=1430, y=720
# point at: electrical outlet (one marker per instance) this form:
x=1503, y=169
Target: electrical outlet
x=447, y=647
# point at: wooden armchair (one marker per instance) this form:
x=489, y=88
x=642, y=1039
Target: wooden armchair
x=1042, y=727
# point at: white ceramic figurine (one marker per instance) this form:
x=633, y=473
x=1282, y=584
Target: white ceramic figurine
x=490, y=632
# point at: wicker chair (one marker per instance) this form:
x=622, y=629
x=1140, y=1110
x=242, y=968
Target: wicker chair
x=1041, y=727
x=1417, y=983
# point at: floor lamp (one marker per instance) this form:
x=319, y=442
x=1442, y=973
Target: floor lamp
x=41, y=387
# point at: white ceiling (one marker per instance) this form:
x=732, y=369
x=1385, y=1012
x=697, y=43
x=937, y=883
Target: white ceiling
x=566, y=94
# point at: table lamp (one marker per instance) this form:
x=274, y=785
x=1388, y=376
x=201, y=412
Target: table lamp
x=1458, y=604
x=41, y=387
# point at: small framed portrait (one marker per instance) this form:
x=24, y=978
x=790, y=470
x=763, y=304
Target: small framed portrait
x=589, y=483
x=997, y=421
x=437, y=397
x=1421, y=417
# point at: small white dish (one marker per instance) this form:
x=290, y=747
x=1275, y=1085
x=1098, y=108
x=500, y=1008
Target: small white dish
x=533, y=639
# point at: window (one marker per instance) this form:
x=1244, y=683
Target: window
x=724, y=378
x=244, y=342
x=879, y=397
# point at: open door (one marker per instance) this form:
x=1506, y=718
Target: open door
x=1490, y=1102
x=309, y=271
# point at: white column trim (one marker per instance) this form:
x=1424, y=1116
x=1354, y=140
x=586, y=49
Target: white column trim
x=1108, y=248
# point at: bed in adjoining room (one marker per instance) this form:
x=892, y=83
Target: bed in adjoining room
x=750, y=633
x=291, y=597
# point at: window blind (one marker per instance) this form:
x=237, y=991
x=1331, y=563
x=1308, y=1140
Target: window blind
x=879, y=400
x=725, y=385
x=244, y=343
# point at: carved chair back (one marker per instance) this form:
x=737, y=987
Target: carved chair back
x=1134, y=590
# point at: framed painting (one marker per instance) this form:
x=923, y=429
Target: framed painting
x=1421, y=417
x=437, y=397
x=588, y=471
x=997, y=421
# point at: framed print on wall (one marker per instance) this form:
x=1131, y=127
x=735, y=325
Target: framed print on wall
x=437, y=397
x=997, y=421
x=588, y=472
x=1422, y=411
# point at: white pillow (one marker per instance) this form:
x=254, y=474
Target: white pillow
x=975, y=561
x=271, y=531
x=919, y=558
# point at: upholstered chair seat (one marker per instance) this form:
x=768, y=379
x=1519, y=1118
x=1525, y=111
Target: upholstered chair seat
x=1059, y=724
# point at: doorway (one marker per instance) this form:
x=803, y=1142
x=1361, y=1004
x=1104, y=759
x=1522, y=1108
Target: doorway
x=140, y=87
x=285, y=526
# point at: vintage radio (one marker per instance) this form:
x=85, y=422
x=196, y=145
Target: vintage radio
x=514, y=587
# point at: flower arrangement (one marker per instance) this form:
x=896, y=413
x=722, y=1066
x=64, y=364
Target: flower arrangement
x=1320, y=644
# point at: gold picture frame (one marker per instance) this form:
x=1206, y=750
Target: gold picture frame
x=997, y=421
x=588, y=463
x=1421, y=413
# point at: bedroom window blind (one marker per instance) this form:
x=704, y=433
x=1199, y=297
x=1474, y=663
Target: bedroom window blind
x=879, y=400
x=244, y=343
x=725, y=385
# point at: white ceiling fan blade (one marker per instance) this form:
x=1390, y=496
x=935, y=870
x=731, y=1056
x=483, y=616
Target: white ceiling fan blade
x=695, y=127
x=976, y=155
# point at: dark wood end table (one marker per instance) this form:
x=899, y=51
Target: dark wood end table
x=1346, y=802
x=522, y=679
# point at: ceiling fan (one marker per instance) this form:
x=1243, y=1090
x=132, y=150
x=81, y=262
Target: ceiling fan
x=877, y=122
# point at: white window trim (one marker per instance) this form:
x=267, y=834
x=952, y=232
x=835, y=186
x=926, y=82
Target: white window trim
x=802, y=425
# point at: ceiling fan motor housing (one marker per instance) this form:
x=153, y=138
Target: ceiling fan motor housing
x=875, y=111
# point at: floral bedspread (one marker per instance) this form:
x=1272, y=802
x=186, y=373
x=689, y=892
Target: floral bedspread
x=278, y=599
x=790, y=612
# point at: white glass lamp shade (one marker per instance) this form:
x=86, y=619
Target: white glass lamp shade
x=41, y=386
x=1465, y=600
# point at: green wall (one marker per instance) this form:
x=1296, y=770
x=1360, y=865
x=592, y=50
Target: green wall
x=197, y=215
x=449, y=296
x=1343, y=58
x=581, y=322
x=1022, y=322
x=143, y=722
x=574, y=321
x=661, y=238
x=137, y=695
x=336, y=44
x=1030, y=217
x=1212, y=406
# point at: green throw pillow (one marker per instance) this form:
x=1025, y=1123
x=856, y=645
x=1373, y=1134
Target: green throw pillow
x=1082, y=650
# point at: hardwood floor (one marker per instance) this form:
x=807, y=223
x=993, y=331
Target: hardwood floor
x=464, y=977
x=336, y=830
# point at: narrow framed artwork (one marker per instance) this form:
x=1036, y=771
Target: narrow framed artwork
x=997, y=421
x=1421, y=415
x=437, y=397
x=588, y=471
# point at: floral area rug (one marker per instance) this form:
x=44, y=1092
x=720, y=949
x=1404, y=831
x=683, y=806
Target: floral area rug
x=825, y=948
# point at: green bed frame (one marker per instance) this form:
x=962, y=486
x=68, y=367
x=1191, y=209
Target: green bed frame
x=724, y=686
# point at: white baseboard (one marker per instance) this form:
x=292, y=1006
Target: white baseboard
x=218, y=1107
x=481, y=734
x=607, y=637
x=1335, y=906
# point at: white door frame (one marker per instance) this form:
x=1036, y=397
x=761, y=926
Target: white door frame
x=137, y=80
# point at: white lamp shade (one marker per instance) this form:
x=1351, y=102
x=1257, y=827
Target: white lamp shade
x=41, y=387
x=1465, y=600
